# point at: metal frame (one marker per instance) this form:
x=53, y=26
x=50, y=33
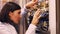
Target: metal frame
x=58, y=16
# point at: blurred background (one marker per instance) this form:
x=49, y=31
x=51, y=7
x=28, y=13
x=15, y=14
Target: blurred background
x=20, y=2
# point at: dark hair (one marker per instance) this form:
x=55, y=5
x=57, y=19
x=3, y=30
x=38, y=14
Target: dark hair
x=4, y=14
x=8, y=7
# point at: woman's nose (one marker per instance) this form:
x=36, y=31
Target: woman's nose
x=20, y=16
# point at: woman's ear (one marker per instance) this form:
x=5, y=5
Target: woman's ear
x=10, y=13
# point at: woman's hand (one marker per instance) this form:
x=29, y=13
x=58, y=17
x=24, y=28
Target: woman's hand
x=36, y=17
x=31, y=3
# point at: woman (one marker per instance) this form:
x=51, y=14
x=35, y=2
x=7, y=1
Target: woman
x=10, y=16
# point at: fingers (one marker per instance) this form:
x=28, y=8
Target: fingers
x=38, y=12
x=36, y=17
x=35, y=1
x=39, y=17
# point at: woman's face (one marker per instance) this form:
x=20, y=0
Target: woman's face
x=15, y=16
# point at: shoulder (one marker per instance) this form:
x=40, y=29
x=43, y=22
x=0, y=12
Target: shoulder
x=6, y=28
x=3, y=26
x=3, y=29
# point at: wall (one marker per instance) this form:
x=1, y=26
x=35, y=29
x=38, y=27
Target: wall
x=52, y=16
